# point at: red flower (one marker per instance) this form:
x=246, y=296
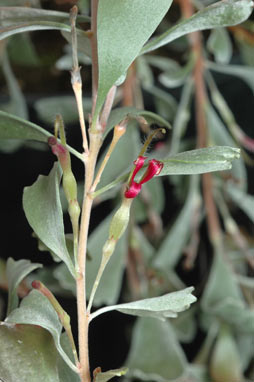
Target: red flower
x=154, y=168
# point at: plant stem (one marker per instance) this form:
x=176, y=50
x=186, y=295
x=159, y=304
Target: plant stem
x=119, y=131
x=107, y=107
x=90, y=158
x=76, y=79
x=83, y=317
x=200, y=105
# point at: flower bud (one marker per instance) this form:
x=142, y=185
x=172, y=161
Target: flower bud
x=225, y=361
x=120, y=220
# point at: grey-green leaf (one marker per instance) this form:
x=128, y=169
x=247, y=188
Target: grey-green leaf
x=30, y=27
x=43, y=210
x=119, y=114
x=107, y=375
x=15, y=20
x=155, y=353
x=172, y=246
x=200, y=161
x=28, y=353
x=47, y=108
x=220, y=14
x=35, y=309
x=242, y=200
x=17, y=102
x=246, y=73
x=16, y=271
x=223, y=297
x=13, y=15
x=123, y=28
x=12, y=127
x=157, y=307
x=220, y=136
x=220, y=45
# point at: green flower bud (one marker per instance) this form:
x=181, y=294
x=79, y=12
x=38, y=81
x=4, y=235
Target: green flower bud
x=120, y=220
x=225, y=361
x=69, y=186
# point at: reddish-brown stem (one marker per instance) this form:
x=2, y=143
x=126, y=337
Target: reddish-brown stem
x=128, y=87
x=200, y=104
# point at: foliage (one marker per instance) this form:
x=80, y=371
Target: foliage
x=133, y=158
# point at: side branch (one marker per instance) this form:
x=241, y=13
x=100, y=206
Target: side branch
x=76, y=79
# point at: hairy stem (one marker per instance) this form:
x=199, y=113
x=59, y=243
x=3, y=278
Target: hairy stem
x=90, y=158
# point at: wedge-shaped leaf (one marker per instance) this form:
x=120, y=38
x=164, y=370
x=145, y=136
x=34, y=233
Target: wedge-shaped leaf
x=223, y=297
x=119, y=114
x=246, y=73
x=107, y=375
x=171, y=248
x=177, y=77
x=155, y=353
x=235, y=313
x=42, y=206
x=165, y=103
x=17, y=102
x=220, y=14
x=158, y=307
x=30, y=27
x=66, y=374
x=154, y=187
x=221, y=136
x=16, y=271
x=35, y=309
x=245, y=346
x=221, y=284
x=109, y=288
x=83, y=41
x=22, y=51
x=47, y=108
x=12, y=127
x=14, y=15
x=185, y=326
x=28, y=353
x=123, y=28
x=65, y=280
x=182, y=116
x=200, y=161
x=220, y=45
x=242, y=200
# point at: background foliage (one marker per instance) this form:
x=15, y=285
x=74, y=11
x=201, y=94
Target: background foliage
x=185, y=230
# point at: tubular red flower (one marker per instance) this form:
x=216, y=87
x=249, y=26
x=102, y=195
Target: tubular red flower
x=154, y=168
x=139, y=163
x=133, y=190
x=57, y=148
